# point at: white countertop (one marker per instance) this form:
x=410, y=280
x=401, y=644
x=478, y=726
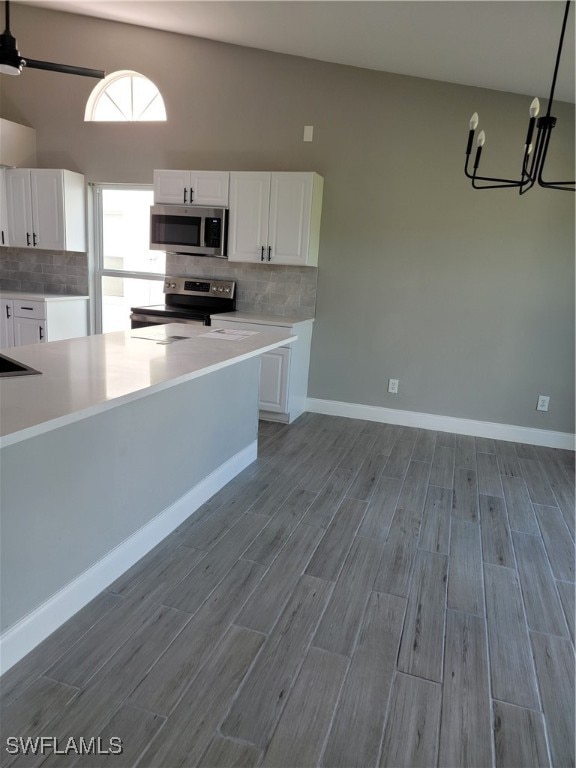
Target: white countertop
x=27, y=296
x=84, y=376
x=253, y=317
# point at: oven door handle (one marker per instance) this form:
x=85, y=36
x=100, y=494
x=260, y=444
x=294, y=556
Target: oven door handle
x=138, y=317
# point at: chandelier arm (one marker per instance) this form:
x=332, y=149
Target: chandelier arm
x=557, y=186
x=494, y=186
x=557, y=65
x=567, y=186
x=501, y=182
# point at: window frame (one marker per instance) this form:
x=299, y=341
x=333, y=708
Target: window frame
x=98, y=270
x=99, y=91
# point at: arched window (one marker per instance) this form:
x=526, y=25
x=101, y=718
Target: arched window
x=125, y=96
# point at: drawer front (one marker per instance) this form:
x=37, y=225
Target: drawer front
x=34, y=309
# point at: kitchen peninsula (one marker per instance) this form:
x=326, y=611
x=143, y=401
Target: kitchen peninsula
x=116, y=442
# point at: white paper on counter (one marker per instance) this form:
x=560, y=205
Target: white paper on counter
x=228, y=334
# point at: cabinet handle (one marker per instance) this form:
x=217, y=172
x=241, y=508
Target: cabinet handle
x=34, y=239
x=8, y=315
x=40, y=331
x=185, y=193
x=262, y=253
x=191, y=195
x=269, y=253
x=27, y=238
x=2, y=237
x=30, y=309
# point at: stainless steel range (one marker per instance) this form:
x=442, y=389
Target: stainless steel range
x=188, y=300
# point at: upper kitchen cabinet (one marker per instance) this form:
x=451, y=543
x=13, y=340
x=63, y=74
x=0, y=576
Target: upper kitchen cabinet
x=191, y=187
x=275, y=218
x=4, y=240
x=46, y=209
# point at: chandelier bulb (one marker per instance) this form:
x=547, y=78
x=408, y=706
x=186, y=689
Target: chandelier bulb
x=474, y=121
x=481, y=139
x=529, y=149
x=534, y=108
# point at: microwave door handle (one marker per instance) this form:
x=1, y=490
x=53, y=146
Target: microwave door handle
x=202, y=240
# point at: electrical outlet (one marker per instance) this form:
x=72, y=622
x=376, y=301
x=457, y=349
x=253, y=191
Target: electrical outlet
x=393, y=386
x=543, y=403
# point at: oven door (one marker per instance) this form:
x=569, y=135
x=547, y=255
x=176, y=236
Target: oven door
x=141, y=320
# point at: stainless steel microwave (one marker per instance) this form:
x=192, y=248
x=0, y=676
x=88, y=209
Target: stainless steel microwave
x=189, y=229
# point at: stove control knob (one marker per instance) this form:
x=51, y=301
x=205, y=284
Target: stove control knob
x=227, y=290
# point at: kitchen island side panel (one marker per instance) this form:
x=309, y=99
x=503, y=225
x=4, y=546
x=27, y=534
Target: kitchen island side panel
x=71, y=495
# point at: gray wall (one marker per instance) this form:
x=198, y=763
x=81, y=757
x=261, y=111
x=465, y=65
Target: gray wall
x=466, y=297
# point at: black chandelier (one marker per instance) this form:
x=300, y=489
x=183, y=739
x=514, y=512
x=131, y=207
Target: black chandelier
x=534, y=152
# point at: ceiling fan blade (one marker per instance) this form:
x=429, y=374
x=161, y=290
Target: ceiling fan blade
x=65, y=68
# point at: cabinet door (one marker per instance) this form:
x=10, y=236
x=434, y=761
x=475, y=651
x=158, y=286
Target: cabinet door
x=290, y=213
x=249, y=207
x=27, y=330
x=19, y=199
x=274, y=369
x=4, y=240
x=48, y=209
x=209, y=187
x=172, y=187
x=6, y=323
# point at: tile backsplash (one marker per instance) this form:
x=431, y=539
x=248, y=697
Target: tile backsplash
x=266, y=288
x=61, y=272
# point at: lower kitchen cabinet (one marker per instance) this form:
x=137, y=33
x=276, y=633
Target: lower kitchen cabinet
x=283, y=371
x=274, y=374
x=34, y=318
x=27, y=330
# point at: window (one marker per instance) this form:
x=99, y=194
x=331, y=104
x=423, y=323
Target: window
x=125, y=96
x=127, y=272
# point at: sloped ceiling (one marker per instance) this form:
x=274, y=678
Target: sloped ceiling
x=507, y=46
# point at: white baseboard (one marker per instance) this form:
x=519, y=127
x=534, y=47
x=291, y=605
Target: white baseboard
x=494, y=430
x=21, y=638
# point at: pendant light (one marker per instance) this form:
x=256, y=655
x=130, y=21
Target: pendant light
x=535, y=150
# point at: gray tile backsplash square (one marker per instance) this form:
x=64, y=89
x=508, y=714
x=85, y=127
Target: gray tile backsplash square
x=266, y=288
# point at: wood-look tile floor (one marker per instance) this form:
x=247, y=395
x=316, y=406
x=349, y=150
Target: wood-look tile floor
x=362, y=595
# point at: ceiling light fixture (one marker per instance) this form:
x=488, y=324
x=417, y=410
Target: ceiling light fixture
x=534, y=152
x=11, y=62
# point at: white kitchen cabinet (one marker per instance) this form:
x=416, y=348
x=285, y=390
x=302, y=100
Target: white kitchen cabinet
x=46, y=209
x=4, y=239
x=33, y=318
x=274, y=373
x=27, y=330
x=283, y=371
x=6, y=323
x=275, y=217
x=208, y=188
